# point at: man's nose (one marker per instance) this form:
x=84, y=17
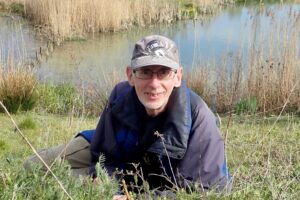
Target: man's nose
x=154, y=81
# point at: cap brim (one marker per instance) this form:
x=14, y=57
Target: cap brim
x=150, y=60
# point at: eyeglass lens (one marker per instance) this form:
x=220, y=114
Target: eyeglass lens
x=161, y=74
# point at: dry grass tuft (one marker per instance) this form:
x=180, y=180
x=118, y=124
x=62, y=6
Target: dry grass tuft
x=17, y=87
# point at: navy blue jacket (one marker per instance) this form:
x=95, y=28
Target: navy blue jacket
x=192, y=143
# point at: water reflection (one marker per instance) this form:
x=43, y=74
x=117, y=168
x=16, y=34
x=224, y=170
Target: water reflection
x=17, y=40
x=224, y=35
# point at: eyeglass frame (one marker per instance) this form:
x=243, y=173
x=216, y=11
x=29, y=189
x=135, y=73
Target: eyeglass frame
x=169, y=77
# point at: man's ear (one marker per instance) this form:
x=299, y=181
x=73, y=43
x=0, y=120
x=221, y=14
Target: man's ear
x=178, y=77
x=129, y=73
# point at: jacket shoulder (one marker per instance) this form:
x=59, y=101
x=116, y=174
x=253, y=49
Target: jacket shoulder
x=196, y=101
x=200, y=110
x=119, y=90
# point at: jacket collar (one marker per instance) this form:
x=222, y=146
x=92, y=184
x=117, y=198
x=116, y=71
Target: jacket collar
x=127, y=109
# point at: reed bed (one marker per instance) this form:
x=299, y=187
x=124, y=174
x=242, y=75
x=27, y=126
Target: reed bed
x=268, y=72
x=61, y=20
x=71, y=19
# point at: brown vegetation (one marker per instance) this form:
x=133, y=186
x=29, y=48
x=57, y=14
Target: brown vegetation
x=67, y=19
x=270, y=74
x=17, y=87
x=71, y=19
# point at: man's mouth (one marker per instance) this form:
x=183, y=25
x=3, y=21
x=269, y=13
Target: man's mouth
x=151, y=95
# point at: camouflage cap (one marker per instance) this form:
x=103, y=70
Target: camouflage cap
x=155, y=50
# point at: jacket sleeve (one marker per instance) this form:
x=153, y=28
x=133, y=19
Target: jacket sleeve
x=204, y=161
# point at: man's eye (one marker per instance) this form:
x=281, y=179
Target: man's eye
x=146, y=72
x=164, y=72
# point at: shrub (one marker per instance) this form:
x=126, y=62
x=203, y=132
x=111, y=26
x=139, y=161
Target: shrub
x=95, y=99
x=246, y=106
x=17, y=8
x=17, y=88
x=59, y=99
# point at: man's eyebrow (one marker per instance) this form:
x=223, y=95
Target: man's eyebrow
x=150, y=68
x=164, y=68
x=146, y=68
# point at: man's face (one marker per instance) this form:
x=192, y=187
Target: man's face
x=154, y=92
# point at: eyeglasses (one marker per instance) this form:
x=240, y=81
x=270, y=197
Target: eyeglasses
x=162, y=74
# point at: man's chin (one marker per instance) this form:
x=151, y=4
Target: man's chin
x=153, y=106
x=154, y=109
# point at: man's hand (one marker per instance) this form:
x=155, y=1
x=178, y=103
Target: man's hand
x=119, y=197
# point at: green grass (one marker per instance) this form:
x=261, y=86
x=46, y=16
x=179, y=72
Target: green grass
x=58, y=99
x=27, y=123
x=263, y=156
x=12, y=7
x=246, y=106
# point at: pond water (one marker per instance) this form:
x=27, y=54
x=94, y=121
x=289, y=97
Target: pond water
x=17, y=39
x=229, y=32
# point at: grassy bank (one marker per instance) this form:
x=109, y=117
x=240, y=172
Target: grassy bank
x=263, y=156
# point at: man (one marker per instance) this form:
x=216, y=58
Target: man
x=155, y=120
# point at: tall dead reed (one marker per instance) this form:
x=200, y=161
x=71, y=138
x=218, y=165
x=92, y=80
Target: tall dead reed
x=66, y=19
x=269, y=74
x=274, y=66
x=70, y=18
